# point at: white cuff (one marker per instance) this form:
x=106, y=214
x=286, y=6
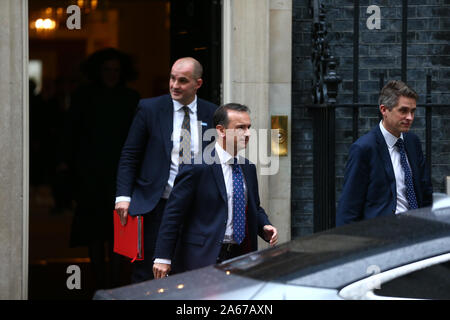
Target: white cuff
x=119, y=199
x=165, y=261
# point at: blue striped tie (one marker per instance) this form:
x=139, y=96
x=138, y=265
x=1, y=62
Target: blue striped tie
x=238, y=203
x=410, y=194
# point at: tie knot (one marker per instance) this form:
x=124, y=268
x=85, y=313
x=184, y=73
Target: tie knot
x=186, y=110
x=400, y=143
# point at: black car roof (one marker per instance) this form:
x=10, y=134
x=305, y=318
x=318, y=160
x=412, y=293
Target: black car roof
x=342, y=255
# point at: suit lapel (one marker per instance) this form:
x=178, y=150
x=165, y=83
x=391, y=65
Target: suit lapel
x=412, y=159
x=166, y=121
x=245, y=171
x=386, y=158
x=216, y=168
x=204, y=117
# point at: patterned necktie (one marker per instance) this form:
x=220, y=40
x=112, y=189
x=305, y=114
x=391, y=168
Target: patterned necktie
x=185, y=138
x=410, y=194
x=238, y=203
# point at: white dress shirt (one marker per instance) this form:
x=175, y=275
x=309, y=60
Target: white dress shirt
x=226, y=161
x=178, y=117
x=391, y=140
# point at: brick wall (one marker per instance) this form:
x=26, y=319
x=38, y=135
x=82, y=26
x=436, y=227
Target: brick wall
x=379, y=52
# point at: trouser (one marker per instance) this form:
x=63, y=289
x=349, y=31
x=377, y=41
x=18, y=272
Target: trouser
x=229, y=251
x=143, y=270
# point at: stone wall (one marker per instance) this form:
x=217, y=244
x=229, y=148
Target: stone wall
x=14, y=150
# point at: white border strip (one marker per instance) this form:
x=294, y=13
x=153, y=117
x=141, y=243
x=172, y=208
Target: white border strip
x=25, y=150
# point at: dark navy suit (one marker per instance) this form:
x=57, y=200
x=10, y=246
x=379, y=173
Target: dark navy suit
x=144, y=166
x=369, y=188
x=199, y=202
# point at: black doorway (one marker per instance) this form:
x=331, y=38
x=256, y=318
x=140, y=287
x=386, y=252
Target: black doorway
x=196, y=28
x=154, y=33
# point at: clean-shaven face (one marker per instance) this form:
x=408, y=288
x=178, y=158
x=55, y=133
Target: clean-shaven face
x=401, y=117
x=237, y=131
x=183, y=86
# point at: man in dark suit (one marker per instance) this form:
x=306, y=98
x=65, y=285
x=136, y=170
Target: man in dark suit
x=386, y=172
x=166, y=130
x=214, y=209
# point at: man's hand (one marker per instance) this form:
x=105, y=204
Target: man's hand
x=271, y=234
x=160, y=270
x=122, y=210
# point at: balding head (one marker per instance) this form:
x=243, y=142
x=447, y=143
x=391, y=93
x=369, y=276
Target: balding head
x=185, y=80
x=197, y=72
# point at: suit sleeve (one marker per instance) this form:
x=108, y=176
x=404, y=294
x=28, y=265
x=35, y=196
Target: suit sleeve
x=354, y=191
x=176, y=209
x=132, y=153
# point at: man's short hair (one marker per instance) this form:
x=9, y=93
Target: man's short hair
x=198, y=70
x=392, y=91
x=221, y=114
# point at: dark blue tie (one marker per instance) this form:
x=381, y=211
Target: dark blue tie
x=410, y=194
x=238, y=203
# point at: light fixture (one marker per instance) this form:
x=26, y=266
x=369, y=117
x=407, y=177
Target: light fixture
x=45, y=24
x=51, y=18
x=94, y=4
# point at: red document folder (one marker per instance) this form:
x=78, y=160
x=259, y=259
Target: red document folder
x=129, y=239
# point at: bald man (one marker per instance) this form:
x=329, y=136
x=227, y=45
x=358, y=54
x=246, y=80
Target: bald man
x=166, y=131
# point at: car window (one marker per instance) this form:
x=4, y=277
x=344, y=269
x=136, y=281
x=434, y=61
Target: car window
x=429, y=283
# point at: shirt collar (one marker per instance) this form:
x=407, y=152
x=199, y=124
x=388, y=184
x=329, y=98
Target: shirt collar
x=391, y=140
x=224, y=157
x=192, y=106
